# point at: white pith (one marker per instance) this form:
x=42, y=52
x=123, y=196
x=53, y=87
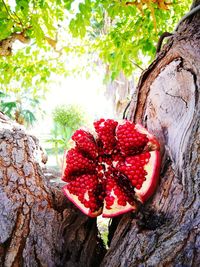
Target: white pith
x=149, y=186
x=116, y=209
x=86, y=196
x=149, y=168
x=114, y=163
x=74, y=199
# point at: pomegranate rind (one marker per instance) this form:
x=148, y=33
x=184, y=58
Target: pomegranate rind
x=64, y=164
x=152, y=168
x=117, y=210
x=74, y=199
x=149, y=185
x=153, y=143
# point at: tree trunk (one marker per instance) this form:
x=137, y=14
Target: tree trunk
x=119, y=92
x=38, y=227
x=165, y=231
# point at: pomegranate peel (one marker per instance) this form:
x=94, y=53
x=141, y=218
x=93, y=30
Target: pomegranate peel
x=116, y=201
x=153, y=143
x=74, y=199
x=152, y=178
x=107, y=173
x=117, y=210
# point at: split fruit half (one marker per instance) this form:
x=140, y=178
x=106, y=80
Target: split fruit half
x=109, y=172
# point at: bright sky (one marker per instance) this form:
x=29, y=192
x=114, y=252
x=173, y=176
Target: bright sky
x=83, y=92
x=88, y=93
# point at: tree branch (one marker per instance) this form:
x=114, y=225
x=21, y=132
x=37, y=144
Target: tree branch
x=195, y=3
x=10, y=15
x=6, y=44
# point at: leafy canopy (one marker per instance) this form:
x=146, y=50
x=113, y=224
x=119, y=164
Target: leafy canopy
x=41, y=37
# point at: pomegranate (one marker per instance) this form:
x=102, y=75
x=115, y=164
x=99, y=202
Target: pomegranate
x=107, y=174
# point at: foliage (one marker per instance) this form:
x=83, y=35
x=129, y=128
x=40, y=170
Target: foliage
x=125, y=32
x=67, y=119
x=35, y=53
x=50, y=31
x=68, y=116
x=20, y=106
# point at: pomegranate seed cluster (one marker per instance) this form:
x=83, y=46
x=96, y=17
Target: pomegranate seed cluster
x=85, y=142
x=130, y=140
x=113, y=189
x=106, y=133
x=133, y=168
x=77, y=164
x=86, y=192
x=103, y=171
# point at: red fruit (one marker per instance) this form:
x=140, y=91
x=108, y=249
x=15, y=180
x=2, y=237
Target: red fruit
x=86, y=143
x=153, y=143
x=77, y=164
x=142, y=170
x=84, y=193
x=133, y=168
x=152, y=168
x=149, y=185
x=116, y=201
x=130, y=141
x=106, y=133
x=106, y=176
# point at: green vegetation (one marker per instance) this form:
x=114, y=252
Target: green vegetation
x=43, y=39
x=119, y=33
x=20, y=106
x=67, y=119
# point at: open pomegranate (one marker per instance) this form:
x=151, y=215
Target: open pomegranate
x=108, y=173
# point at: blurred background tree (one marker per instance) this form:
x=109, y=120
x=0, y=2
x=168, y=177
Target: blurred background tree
x=66, y=119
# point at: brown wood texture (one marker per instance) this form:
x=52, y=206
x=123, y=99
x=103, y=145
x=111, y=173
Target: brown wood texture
x=38, y=227
x=166, y=230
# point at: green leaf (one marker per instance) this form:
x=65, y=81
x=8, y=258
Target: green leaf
x=28, y=116
x=67, y=4
x=38, y=32
x=8, y=107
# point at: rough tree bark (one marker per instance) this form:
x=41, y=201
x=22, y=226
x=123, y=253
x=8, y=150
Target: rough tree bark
x=166, y=231
x=38, y=227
